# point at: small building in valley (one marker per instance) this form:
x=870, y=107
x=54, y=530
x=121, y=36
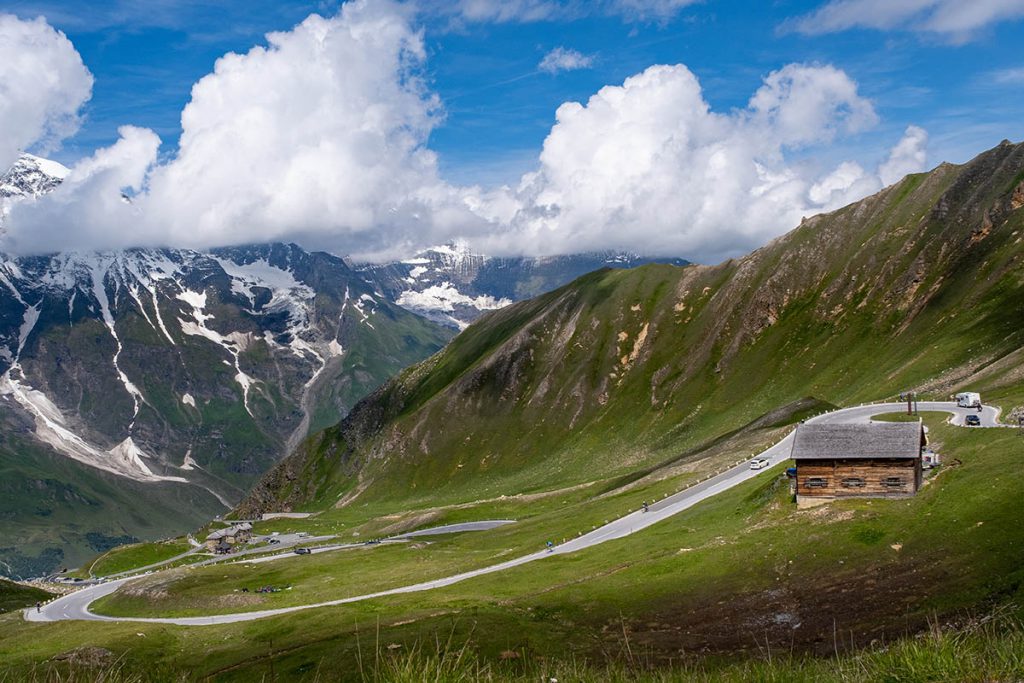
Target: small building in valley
x=222, y=540
x=875, y=460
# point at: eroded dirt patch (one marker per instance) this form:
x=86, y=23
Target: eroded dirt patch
x=841, y=611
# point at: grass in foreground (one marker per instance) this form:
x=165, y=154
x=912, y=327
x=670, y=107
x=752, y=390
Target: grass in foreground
x=985, y=650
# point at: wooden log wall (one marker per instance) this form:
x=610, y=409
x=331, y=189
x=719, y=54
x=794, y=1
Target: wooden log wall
x=837, y=478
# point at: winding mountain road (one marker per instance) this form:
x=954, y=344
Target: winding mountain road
x=75, y=606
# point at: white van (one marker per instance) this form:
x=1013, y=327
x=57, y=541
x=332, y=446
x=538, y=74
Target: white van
x=968, y=399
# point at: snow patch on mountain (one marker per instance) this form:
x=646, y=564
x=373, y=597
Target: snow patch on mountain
x=452, y=285
x=444, y=298
x=52, y=429
x=287, y=293
x=98, y=270
x=234, y=343
x=365, y=306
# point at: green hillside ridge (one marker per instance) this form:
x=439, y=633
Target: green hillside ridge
x=15, y=596
x=919, y=286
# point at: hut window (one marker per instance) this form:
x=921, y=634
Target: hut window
x=894, y=482
x=816, y=482
x=854, y=482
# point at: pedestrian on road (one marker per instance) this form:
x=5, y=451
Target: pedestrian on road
x=39, y=607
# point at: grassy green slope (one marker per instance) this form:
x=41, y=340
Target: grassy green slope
x=15, y=596
x=919, y=286
x=128, y=557
x=59, y=513
x=744, y=572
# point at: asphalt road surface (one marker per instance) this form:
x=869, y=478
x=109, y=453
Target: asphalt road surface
x=76, y=605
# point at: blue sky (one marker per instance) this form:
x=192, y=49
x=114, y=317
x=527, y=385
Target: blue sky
x=957, y=75
x=499, y=106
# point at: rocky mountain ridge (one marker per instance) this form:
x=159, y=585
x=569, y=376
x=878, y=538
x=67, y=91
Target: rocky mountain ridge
x=452, y=285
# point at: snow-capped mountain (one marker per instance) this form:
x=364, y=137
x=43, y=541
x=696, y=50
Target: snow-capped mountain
x=453, y=286
x=142, y=391
x=189, y=369
x=31, y=176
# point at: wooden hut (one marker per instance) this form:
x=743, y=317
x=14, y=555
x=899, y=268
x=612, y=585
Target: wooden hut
x=874, y=460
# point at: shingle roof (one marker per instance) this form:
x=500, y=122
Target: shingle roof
x=229, y=532
x=874, y=440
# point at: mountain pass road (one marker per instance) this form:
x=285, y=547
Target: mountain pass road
x=76, y=605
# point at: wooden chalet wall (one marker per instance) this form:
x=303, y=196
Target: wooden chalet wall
x=857, y=477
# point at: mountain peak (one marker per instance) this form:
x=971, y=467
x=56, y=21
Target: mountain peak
x=52, y=168
x=31, y=176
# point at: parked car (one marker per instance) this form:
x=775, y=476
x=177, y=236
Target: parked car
x=759, y=463
x=303, y=551
x=972, y=421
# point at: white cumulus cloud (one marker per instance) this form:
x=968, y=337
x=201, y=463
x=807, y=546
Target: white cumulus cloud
x=802, y=104
x=87, y=211
x=321, y=132
x=958, y=20
x=908, y=156
x=320, y=137
x=564, y=59
x=43, y=85
x=649, y=166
